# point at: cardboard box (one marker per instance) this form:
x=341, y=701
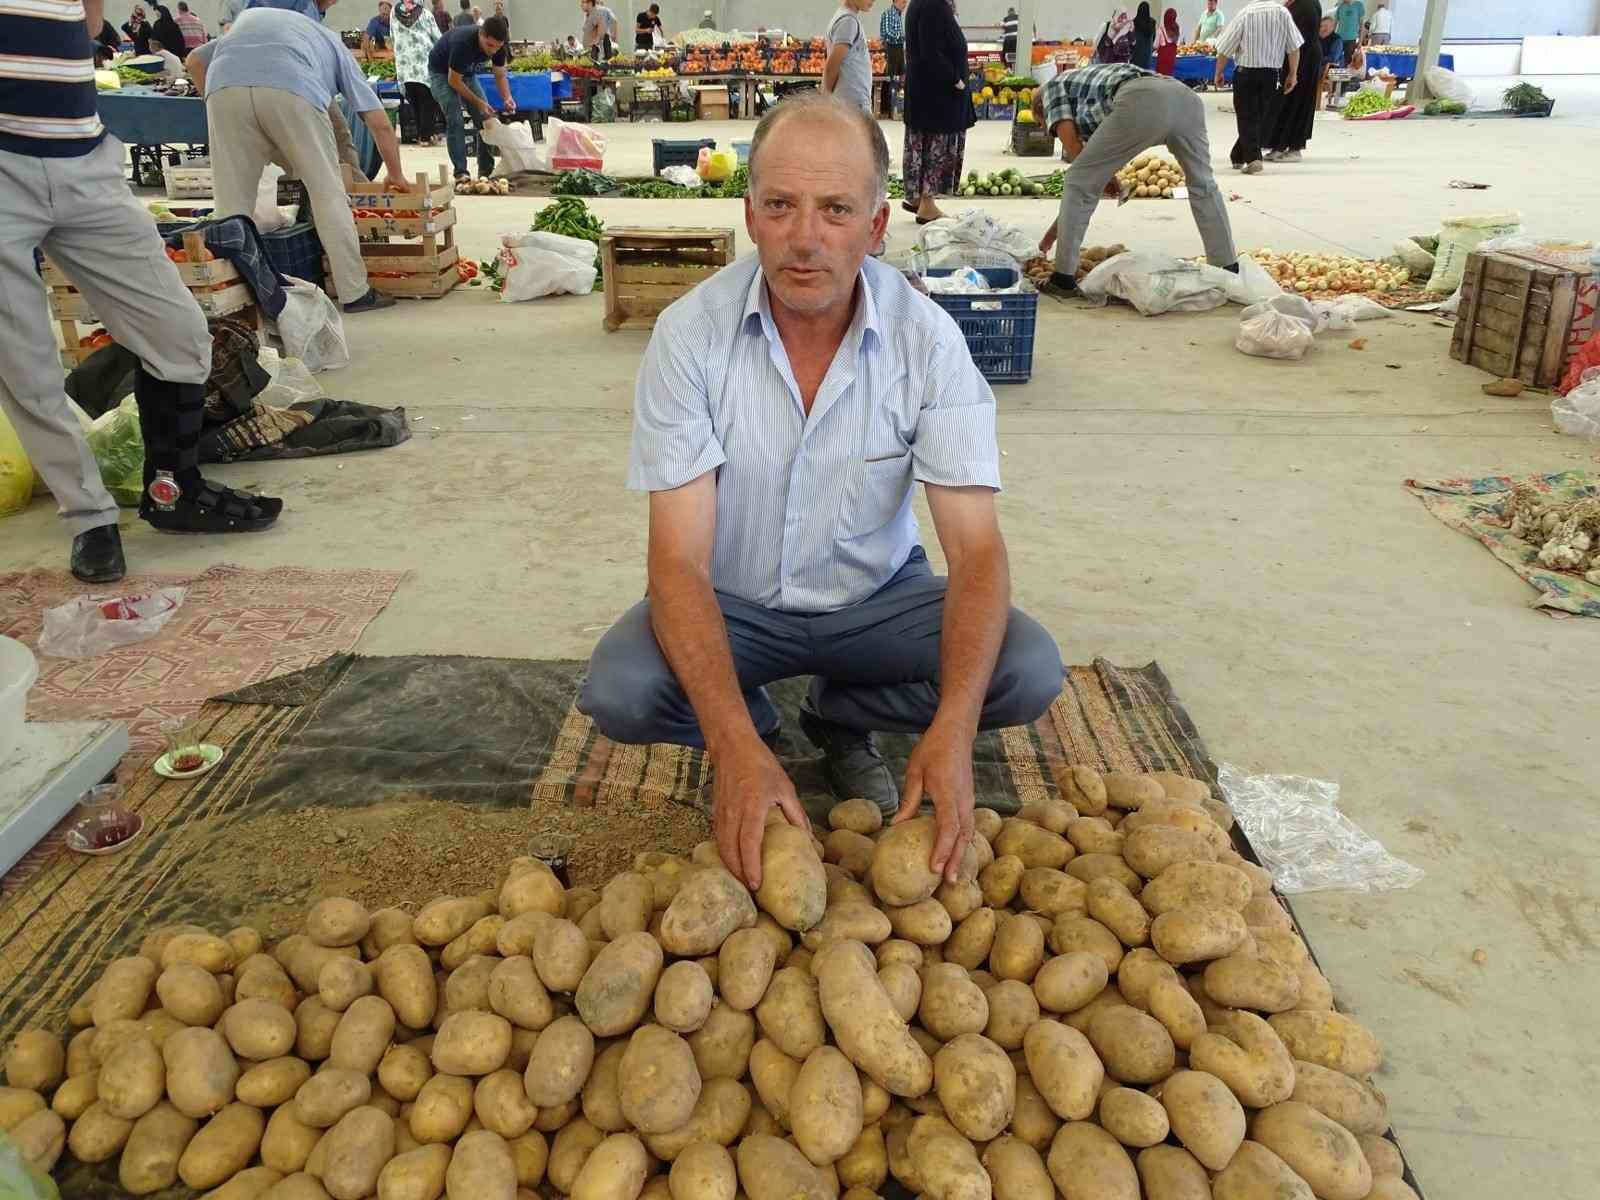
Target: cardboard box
x=711, y=103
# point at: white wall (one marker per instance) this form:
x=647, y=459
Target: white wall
x=1499, y=18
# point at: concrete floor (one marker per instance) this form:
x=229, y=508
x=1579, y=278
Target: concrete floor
x=1242, y=521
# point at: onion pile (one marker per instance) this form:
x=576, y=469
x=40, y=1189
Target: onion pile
x=1329, y=272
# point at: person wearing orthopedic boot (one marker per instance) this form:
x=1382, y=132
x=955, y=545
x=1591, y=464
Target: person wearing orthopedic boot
x=62, y=191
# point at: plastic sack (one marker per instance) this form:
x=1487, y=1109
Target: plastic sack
x=117, y=443
x=16, y=472
x=1155, y=283
x=973, y=238
x=603, y=107
x=1417, y=260
x=546, y=264
x=267, y=215
x=312, y=327
x=1296, y=829
x=89, y=625
x=290, y=381
x=681, y=174
x=1569, y=253
x=1578, y=412
x=514, y=140
x=1341, y=315
x=20, y=1179
x=1447, y=85
x=1273, y=334
x=1459, y=237
x=1585, y=360
x=568, y=147
x=1250, y=285
x=715, y=165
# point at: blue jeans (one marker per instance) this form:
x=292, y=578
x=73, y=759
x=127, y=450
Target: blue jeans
x=455, y=123
x=873, y=666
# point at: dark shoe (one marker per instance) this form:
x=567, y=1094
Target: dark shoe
x=373, y=299
x=1062, y=287
x=212, y=508
x=851, y=763
x=1233, y=266
x=97, y=555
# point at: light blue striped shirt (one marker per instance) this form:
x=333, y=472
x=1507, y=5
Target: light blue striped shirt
x=813, y=513
x=277, y=48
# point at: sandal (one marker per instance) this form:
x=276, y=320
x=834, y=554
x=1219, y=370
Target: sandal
x=910, y=208
x=213, y=509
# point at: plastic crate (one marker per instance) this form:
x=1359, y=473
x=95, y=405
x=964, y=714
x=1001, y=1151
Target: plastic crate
x=1032, y=141
x=998, y=328
x=742, y=149
x=296, y=250
x=187, y=182
x=670, y=152
x=999, y=112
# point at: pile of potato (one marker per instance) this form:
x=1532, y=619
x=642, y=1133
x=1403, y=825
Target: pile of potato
x=1151, y=177
x=1330, y=273
x=1109, y=1005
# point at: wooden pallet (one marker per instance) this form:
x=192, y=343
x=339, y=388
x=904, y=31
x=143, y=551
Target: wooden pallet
x=1515, y=317
x=216, y=285
x=407, y=238
x=647, y=269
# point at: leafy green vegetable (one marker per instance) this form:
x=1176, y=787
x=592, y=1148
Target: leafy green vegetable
x=582, y=182
x=1524, y=97
x=1364, y=104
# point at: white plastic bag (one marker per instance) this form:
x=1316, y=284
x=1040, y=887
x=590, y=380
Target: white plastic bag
x=1459, y=237
x=1341, y=315
x=682, y=174
x=1295, y=827
x=514, y=140
x=973, y=238
x=1417, y=260
x=1290, y=304
x=1272, y=334
x=267, y=215
x=1156, y=283
x=546, y=264
x=312, y=328
x=1250, y=284
x=1578, y=412
x=1447, y=85
x=88, y=625
x=568, y=146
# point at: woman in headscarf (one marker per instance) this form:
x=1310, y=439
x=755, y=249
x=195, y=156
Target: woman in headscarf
x=1116, y=40
x=1288, y=134
x=415, y=30
x=166, y=31
x=938, y=109
x=1144, y=37
x=1167, y=39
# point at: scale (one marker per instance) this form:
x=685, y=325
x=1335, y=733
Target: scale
x=53, y=765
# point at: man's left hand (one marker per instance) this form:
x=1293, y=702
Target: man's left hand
x=1288, y=85
x=509, y=107
x=941, y=766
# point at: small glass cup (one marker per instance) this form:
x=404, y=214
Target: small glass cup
x=183, y=744
x=102, y=825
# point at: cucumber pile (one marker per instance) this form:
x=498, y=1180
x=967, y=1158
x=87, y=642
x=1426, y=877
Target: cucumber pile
x=1002, y=183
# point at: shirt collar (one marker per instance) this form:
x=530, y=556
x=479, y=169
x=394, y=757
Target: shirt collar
x=758, y=310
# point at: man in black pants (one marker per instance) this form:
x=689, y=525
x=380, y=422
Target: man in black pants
x=1265, y=46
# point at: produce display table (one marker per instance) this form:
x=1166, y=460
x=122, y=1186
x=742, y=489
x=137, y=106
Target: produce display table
x=1403, y=66
x=1201, y=68
x=149, y=123
x=749, y=84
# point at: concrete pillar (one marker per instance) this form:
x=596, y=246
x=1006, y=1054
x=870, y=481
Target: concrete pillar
x=1427, y=49
x=1027, y=14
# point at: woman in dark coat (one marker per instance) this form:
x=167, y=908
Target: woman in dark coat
x=166, y=31
x=1297, y=111
x=1144, y=37
x=938, y=109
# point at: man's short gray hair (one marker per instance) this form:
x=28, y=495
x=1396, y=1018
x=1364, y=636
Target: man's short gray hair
x=815, y=106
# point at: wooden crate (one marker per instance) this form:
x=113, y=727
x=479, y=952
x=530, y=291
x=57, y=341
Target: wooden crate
x=1515, y=316
x=407, y=238
x=216, y=286
x=187, y=183
x=647, y=269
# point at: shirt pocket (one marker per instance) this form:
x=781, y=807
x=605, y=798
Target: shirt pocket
x=876, y=494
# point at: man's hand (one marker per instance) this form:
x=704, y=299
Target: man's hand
x=746, y=783
x=941, y=766
x=396, y=183
x=1048, y=240
x=1112, y=190
x=1288, y=84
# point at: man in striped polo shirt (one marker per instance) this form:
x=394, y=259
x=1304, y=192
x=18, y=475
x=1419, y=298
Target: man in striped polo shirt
x=785, y=411
x=62, y=190
x=1259, y=40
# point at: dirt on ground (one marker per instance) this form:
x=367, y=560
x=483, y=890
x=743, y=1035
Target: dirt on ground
x=404, y=852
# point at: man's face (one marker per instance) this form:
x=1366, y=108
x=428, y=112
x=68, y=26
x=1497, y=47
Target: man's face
x=490, y=46
x=813, y=213
x=1211, y=5
x=1327, y=26
x=383, y=11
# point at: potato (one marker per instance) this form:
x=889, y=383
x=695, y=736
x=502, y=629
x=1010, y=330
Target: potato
x=356, y=1151
x=865, y=1164
x=560, y=1061
x=946, y=1163
x=619, y=985
x=1000, y=880
x=224, y=1146
x=857, y=816
x=337, y=921
x=155, y=1144
x=481, y=1168
x=299, y=1186
x=615, y=1170
x=708, y=907
x=329, y=1094
x=722, y=1045
x=1204, y=1115
x=864, y=1022
x=386, y=927
x=1087, y=1163
x=1245, y=1053
x=771, y=1169
x=123, y=990
x=273, y=1082
x=342, y=981
x=260, y=979
x=1134, y=1046
x=1321, y=1151
x=404, y=978
x=861, y=921
x=1082, y=787
x=977, y=1085
x=1244, y=981
x=201, y=1071
x=705, y=1171
x=1357, y=1106
x=190, y=993
x=925, y=923
x=315, y=1024
x=36, y=1061
x=790, y=1014
x=466, y=989
x=1382, y=1155
x=1329, y=1039
x=1179, y=1013
x=719, y=1115
x=97, y=1134
x=250, y=1184
x=971, y=941
x=363, y=1034
x=825, y=1106
x=1089, y=867
x=1066, y=982
x=951, y=1004
x=442, y=1109
x=471, y=1043
x=1051, y=892
x=441, y=921
x=203, y=949
x=773, y=1073
x=1094, y=835
x=531, y=886
x=1072, y=932
x=1151, y=848
x=1203, y=884
x=132, y=1080
x=1065, y=1069
x=1132, y=1117
x=259, y=1029
x=288, y=1141
x=900, y=872
x=1013, y=1010
x=1108, y=901
x=1172, y=1173
x=683, y=997
x=657, y=1080
x=1033, y=1120
x=1127, y=790
x=416, y=1174
x=1032, y=845
x=78, y=1093
x=1196, y=934
x=794, y=888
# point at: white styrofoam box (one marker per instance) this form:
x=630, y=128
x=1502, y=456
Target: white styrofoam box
x=18, y=670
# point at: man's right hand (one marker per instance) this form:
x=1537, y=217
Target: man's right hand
x=747, y=781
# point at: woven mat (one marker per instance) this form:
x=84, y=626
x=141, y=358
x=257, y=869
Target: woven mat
x=1473, y=507
x=235, y=627
x=376, y=727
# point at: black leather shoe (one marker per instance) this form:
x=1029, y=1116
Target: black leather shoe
x=851, y=763
x=97, y=555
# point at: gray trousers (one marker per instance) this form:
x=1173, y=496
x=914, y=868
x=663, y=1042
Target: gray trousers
x=874, y=666
x=79, y=211
x=1147, y=112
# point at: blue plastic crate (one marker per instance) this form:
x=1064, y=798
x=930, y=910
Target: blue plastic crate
x=671, y=152
x=296, y=250
x=530, y=89
x=998, y=328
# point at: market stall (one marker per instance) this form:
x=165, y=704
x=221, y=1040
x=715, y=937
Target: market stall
x=1402, y=63
x=152, y=124
x=1200, y=68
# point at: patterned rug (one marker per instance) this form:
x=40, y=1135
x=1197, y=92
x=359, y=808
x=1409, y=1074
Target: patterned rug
x=235, y=627
x=1473, y=507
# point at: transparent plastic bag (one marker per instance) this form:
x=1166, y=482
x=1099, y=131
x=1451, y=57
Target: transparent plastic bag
x=87, y=625
x=1341, y=315
x=20, y=1179
x=312, y=328
x=117, y=443
x=681, y=174
x=1273, y=334
x=1295, y=827
x=1578, y=412
x=291, y=381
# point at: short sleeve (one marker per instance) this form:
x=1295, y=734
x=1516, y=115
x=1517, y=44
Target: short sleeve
x=954, y=444
x=1296, y=40
x=353, y=85
x=673, y=439
x=845, y=31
